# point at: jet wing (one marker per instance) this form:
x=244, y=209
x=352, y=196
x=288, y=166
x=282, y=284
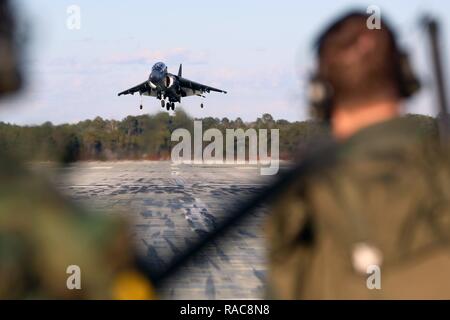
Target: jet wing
x=195, y=87
x=142, y=88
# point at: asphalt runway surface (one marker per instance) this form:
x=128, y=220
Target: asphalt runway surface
x=169, y=206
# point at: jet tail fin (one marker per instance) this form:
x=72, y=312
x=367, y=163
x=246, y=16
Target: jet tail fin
x=180, y=70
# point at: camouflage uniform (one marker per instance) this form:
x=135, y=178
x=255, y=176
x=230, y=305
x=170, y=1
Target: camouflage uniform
x=41, y=234
x=387, y=186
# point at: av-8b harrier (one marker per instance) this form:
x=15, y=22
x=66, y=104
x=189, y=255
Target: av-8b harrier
x=164, y=85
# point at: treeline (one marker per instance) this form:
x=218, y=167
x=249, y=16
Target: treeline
x=140, y=137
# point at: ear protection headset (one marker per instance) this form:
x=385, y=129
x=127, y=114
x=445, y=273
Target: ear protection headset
x=321, y=92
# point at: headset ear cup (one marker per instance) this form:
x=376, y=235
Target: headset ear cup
x=320, y=96
x=409, y=84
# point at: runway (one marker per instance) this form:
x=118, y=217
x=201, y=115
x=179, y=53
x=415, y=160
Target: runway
x=168, y=207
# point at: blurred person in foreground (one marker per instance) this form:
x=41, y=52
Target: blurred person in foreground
x=42, y=233
x=373, y=221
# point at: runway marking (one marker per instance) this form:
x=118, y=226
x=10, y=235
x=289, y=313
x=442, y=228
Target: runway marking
x=193, y=213
x=175, y=204
x=174, y=169
x=177, y=181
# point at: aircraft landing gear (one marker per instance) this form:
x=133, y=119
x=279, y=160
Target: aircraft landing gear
x=170, y=106
x=201, y=105
x=163, y=103
x=140, y=107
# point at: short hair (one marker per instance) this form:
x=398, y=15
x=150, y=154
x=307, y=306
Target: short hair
x=357, y=76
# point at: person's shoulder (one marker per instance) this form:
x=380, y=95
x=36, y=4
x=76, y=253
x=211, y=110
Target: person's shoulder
x=26, y=195
x=407, y=134
x=401, y=143
x=54, y=232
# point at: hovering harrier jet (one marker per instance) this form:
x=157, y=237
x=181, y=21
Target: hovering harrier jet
x=166, y=86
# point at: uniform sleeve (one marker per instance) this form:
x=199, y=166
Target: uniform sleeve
x=57, y=250
x=289, y=241
x=99, y=247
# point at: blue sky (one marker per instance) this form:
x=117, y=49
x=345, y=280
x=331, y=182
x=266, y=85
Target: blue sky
x=260, y=51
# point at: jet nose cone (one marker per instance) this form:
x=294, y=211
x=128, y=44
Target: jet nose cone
x=155, y=77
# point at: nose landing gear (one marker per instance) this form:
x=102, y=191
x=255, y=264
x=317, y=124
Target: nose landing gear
x=170, y=106
x=163, y=103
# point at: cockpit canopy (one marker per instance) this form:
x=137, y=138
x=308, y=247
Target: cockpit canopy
x=159, y=66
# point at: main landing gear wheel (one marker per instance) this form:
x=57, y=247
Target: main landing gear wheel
x=172, y=105
x=163, y=103
x=140, y=107
x=201, y=105
x=168, y=106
